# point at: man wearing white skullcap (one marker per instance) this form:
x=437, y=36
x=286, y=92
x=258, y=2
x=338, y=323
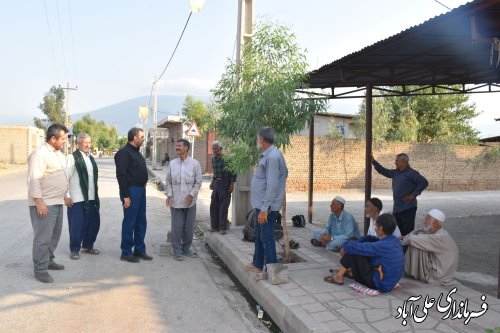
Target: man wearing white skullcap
x=432, y=255
x=340, y=227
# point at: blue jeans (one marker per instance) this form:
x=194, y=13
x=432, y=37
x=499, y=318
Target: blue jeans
x=134, y=222
x=265, y=246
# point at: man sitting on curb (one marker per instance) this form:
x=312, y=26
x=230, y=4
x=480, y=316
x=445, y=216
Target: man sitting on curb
x=340, y=227
x=432, y=255
x=374, y=262
x=373, y=209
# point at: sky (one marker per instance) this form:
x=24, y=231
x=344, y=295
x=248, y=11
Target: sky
x=111, y=50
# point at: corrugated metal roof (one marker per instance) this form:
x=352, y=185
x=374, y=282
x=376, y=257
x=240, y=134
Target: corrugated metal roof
x=452, y=48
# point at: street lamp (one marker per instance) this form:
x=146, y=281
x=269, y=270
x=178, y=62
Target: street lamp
x=195, y=5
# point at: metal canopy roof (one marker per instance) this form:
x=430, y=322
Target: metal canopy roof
x=452, y=48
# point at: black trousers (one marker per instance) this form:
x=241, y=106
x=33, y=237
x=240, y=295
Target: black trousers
x=360, y=267
x=406, y=220
x=221, y=198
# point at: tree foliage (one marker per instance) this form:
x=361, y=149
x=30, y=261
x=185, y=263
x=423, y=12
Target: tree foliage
x=103, y=136
x=52, y=107
x=203, y=114
x=260, y=91
x=431, y=118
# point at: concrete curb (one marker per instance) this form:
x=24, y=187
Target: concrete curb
x=290, y=317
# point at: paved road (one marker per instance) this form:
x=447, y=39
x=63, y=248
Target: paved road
x=102, y=293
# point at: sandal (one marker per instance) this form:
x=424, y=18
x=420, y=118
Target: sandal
x=252, y=268
x=347, y=274
x=331, y=279
x=90, y=251
x=74, y=256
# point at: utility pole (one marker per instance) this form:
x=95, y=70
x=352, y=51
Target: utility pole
x=66, y=112
x=155, y=112
x=241, y=195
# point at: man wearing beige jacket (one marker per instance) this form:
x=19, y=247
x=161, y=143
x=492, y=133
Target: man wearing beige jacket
x=47, y=186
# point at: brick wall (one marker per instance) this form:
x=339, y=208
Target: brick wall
x=200, y=153
x=341, y=164
x=17, y=142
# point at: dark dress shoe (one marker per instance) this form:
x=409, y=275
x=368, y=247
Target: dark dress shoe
x=143, y=256
x=129, y=258
x=43, y=277
x=55, y=266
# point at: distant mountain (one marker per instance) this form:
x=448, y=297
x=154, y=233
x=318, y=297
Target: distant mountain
x=21, y=120
x=124, y=115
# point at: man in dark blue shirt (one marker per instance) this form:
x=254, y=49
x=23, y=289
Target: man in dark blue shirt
x=132, y=176
x=374, y=262
x=407, y=184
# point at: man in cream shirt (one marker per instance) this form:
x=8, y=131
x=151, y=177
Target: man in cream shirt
x=183, y=184
x=47, y=186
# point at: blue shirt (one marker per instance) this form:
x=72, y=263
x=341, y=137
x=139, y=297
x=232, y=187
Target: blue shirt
x=269, y=181
x=405, y=182
x=387, y=252
x=341, y=228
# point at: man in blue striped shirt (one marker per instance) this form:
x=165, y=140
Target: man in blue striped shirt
x=267, y=195
x=407, y=184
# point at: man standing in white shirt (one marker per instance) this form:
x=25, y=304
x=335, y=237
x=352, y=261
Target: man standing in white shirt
x=82, y=199
x=183, y=184
x=47, y=186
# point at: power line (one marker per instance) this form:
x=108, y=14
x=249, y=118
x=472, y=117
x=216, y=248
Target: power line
x=442, y=4
x=61, y=40
x=175, y=49
x=182, y=34
x=72, y=40
x=50, y=38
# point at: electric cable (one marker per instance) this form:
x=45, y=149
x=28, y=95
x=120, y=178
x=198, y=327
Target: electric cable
x=50, y=39
x=61, y=40
x=168, y=63
x=180, y=38
x=442, y=4
x=72, y=40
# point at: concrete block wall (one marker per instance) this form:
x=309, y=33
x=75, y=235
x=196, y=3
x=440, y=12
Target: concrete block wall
x=341, y=164
x=17, y=142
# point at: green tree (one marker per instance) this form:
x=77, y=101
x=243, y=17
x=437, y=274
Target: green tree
x=52, y=107
x=260, y=91
x=196, y=110
x=103, y=136
x=431, y=118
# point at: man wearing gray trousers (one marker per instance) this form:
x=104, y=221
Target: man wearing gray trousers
x=47, y=187
x=183, y=184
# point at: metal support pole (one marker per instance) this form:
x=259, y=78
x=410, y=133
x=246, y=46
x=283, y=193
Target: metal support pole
x=66, y=113
x=311, y=172
x=368, y=158
x=155, y=112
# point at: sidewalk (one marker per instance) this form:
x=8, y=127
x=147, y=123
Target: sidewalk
x=308, y=304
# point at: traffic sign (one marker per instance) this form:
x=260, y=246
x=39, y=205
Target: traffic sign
x=193, y=130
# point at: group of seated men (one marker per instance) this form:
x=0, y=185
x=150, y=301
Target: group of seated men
x=379, y=259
